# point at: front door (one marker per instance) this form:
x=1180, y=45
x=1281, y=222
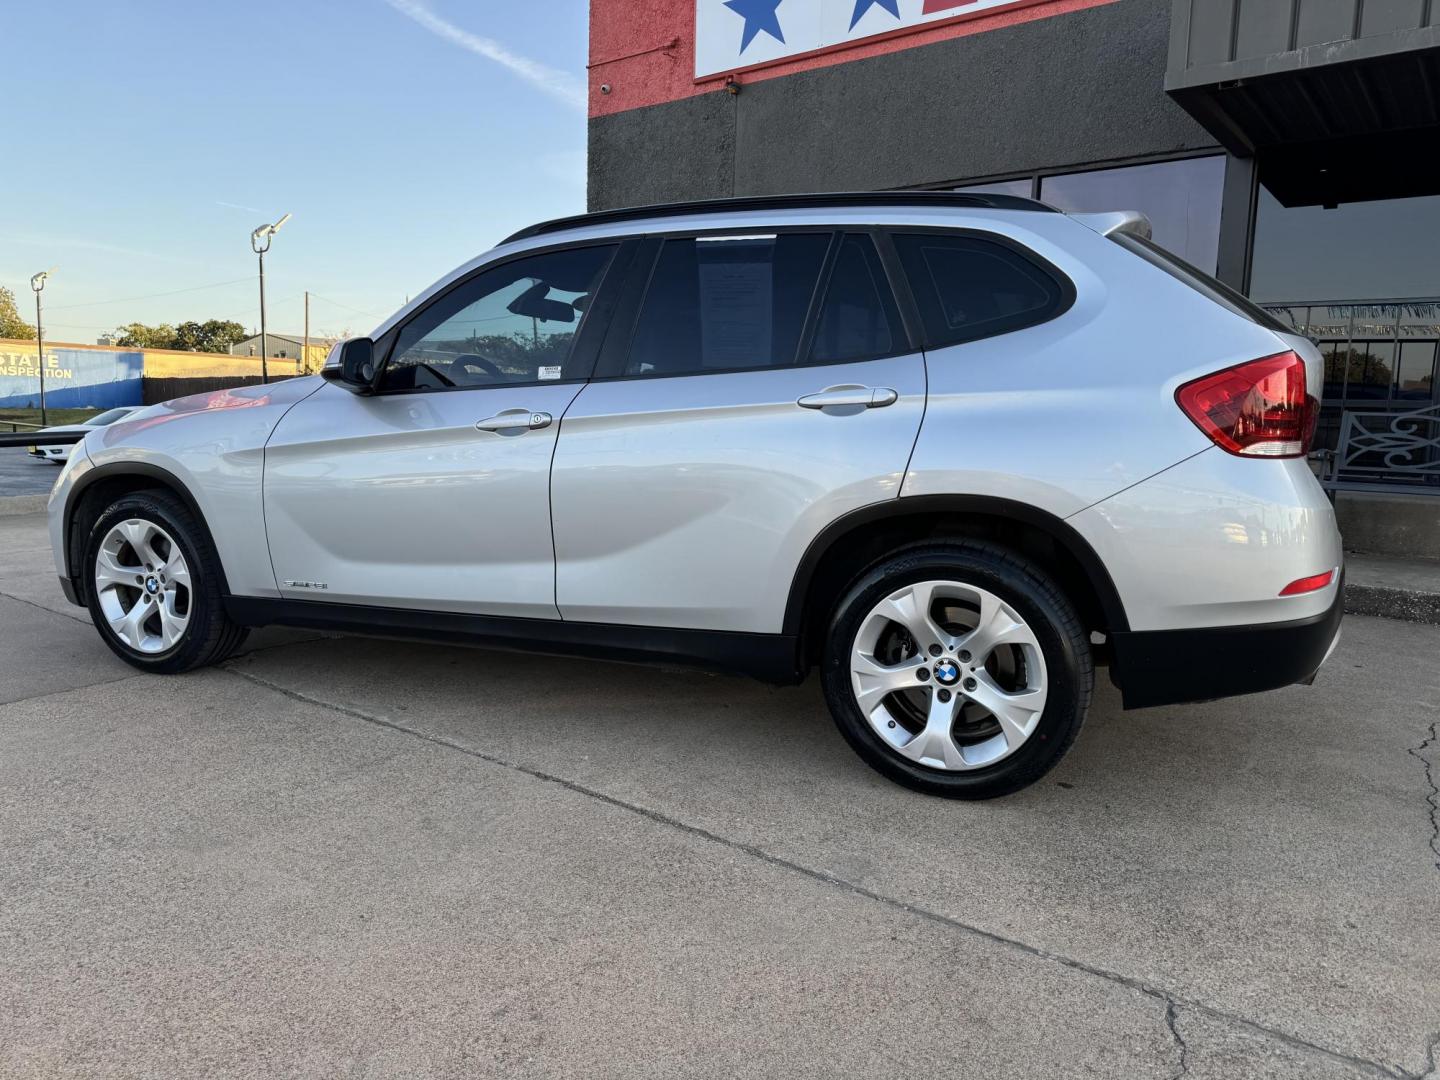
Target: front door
x=769, y=388
x=434, y=493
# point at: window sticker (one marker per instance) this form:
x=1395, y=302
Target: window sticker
x=549, y=373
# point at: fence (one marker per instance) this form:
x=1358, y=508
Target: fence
x=105, y=376
x=1387, y=449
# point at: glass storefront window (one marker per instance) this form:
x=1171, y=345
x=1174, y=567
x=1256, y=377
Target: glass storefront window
x=1024, y=188
x=1415, y=377
x=1383, y=250
x=1181, y=198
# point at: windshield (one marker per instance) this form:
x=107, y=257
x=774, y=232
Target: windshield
x=107, y=418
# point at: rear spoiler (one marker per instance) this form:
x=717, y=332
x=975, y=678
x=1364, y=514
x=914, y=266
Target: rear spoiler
x=1131, y=222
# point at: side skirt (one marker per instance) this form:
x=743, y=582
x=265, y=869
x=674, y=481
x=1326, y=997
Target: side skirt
x=771, y=658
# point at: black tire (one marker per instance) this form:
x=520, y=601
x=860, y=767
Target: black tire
x=1064, y=645
x=210, y=636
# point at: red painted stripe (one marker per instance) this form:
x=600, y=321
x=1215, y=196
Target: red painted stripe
x=932, y=6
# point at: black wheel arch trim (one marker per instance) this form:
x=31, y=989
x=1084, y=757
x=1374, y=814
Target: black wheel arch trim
x=990, y=506
x=112, y=470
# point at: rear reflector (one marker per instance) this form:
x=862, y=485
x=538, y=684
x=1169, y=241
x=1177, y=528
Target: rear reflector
x=1257, y=409
x=1308, y=584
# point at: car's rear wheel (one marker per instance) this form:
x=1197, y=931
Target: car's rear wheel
x=958, y=669
x=153, y=586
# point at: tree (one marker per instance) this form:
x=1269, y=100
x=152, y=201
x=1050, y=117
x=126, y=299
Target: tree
x=212, y=336
x=139, y=336
x=11, y=325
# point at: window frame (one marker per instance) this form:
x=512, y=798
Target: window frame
x=615, y=354
x=1068, y=293
x=589, y=334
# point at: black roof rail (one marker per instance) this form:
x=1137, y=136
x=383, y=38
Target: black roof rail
x=824, y=201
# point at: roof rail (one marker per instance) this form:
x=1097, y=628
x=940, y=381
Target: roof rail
x=824, y=201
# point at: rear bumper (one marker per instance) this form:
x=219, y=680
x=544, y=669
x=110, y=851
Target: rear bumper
x=1167, y=667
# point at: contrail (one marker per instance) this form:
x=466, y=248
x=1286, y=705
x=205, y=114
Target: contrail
x=237, y=206
x=558, y=84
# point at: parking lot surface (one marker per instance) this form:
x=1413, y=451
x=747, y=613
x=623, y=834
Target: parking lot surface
x=341, y=856
x=20, y=474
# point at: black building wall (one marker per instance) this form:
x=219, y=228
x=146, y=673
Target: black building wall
x=1072, y=89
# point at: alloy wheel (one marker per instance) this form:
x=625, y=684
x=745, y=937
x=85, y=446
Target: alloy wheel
x=948, y=675
x=142, y=583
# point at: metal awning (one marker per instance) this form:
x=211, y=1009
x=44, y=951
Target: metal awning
x=1335, y=102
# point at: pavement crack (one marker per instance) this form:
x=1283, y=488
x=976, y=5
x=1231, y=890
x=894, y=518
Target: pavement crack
x=72, y=689
x=1433, y=799
x=40, y=607
x=1172, y=1002
x=1433, y=1044
x=1172, y=1018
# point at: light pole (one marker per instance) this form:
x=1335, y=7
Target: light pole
x=260, y=244
x=38, y=284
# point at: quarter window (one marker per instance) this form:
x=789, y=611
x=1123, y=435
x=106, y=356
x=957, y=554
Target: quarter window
x=969, y=288
x=727, y=303
x=516, y=323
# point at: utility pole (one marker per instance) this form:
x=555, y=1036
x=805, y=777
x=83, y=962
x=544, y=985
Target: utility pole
x=305, y=348
x=38, y=284
x=260, y=244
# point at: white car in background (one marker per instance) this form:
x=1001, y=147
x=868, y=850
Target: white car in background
x=61, y=454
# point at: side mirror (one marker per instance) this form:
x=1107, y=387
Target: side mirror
x=351, y=364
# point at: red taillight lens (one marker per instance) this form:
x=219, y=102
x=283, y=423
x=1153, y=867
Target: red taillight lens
x=1308, y=584
x=1259, y=409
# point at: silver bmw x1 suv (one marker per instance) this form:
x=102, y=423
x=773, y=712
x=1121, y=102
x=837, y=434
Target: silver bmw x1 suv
x=956, y=451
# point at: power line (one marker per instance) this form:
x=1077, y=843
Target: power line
x=149, y=296
x=347, y=307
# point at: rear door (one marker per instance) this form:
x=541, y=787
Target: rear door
x=769, y=386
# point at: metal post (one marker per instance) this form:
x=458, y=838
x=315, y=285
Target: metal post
x=305, y=348
x=38, y=284
x=40, y=356
x=260, y=244
x=264, y=340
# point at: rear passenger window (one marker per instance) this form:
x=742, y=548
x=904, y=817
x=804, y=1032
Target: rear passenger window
x=970, y=288
x=858, y=319
x=727, y=303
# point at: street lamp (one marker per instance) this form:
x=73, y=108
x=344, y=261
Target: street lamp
x=260, y=244
x=38, y=284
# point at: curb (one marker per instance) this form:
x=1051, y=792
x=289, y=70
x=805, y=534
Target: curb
x=1387, y=603
x=11, y=505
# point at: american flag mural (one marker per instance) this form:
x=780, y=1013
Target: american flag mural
x=735, y=34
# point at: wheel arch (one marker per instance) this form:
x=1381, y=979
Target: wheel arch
x=104, y=484
x=859, y=539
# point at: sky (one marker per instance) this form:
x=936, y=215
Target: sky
x=146, y=139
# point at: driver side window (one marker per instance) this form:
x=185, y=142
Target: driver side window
x=514, y=324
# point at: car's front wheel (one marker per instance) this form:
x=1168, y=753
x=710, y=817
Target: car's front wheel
x=153, y=586
x=958, y=669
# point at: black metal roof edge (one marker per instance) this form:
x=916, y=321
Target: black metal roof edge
x=821, y=201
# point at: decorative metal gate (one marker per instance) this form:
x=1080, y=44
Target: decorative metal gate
x=1380, y=414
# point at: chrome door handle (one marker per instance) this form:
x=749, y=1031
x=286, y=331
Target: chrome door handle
x=839, y=396
x=511, y=419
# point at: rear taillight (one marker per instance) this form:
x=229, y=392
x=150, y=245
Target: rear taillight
x=1257, y=409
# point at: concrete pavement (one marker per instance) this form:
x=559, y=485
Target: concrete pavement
x=20, y=474
x=383, y=859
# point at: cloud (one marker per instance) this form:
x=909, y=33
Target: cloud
x=556, y=83
x=50, y=243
